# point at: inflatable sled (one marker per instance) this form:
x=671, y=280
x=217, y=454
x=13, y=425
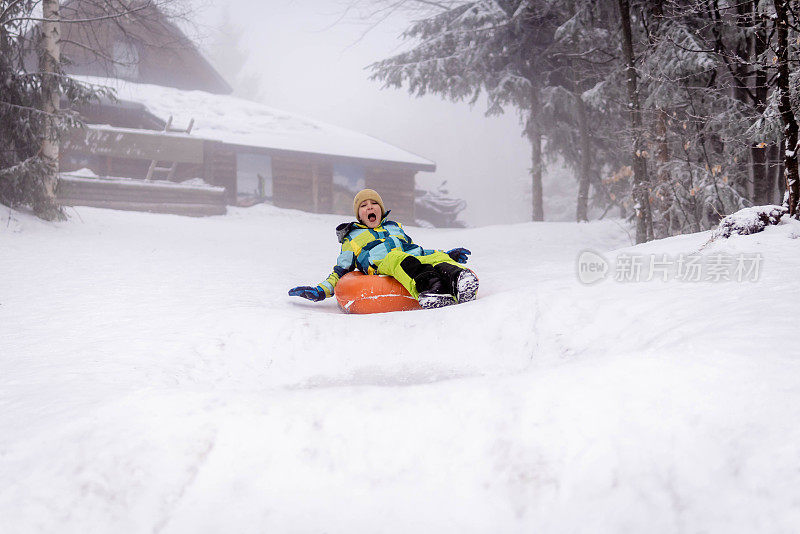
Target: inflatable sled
x=357, y=292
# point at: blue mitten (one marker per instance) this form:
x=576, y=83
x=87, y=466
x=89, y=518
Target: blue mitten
x=459, y=254
x=307, y=292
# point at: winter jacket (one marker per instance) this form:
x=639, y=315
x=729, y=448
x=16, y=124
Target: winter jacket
x=363, y=248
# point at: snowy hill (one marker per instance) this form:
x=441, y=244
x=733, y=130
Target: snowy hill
x=155, y=377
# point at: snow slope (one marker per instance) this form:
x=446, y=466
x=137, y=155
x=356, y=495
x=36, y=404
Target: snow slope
x=155, y=377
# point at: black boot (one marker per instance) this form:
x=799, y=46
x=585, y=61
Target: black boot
x=433, y=290
x=460, y=281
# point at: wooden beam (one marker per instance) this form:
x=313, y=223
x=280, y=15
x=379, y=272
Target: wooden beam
x=135, y=144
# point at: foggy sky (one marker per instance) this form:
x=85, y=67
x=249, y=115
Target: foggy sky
x=308, y=63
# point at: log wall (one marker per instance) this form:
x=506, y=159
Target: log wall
x=302, y=183
x=220, y=168
x=396, y=188
x=124, y=155
x=137, y=195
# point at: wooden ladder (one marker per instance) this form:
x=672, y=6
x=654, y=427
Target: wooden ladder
x=170, y=170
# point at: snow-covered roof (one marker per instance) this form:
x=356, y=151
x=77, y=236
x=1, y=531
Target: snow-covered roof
x=237, y=121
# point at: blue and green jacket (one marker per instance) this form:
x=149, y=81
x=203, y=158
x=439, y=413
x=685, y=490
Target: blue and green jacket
x=363, y=248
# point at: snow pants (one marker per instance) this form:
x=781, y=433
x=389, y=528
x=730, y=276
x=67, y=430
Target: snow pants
x=390, y=266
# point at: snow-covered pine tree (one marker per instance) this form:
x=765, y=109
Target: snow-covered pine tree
x=692, y=128
x=728, y=44
x=686, y=111
x=696, y=79
x=580, y=58
x=711, y=104
x=546, y=59
x=483, y=46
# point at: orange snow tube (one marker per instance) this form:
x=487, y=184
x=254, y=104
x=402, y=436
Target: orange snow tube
x=357, y=292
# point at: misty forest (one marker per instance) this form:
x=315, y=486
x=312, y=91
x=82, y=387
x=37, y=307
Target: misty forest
x=672, y=112
x=243, y=289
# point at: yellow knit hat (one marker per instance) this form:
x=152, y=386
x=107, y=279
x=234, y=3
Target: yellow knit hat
x=368, y=194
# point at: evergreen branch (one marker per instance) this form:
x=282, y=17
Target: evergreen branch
x=687, y=49
x=582, y=56
x=30, y=109
x=718, y=50
x=463, y=32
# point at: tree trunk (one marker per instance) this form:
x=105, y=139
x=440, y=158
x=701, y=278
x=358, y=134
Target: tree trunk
x=641, y=185
x=790, y=129
x=776, y=173
x=762, y=187
x=582, y=211
x=762, y=179
x=665, y=199
x=49, y=53
x=535, y=137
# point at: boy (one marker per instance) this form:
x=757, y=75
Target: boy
x=376, y=245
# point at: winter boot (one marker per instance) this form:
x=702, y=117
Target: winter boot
x=460, y=282
x=432, y=289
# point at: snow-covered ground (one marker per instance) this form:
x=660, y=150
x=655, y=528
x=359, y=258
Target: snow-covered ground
x=155, y=377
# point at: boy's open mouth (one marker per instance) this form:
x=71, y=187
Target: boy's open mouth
x=372, y=217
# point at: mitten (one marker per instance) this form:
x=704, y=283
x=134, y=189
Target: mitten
x=459, y=254
x=307, y=292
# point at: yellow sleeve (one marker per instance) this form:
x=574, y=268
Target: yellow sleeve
x=344, y=264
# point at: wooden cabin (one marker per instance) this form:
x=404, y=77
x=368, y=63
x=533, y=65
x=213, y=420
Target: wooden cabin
x=175, y=121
